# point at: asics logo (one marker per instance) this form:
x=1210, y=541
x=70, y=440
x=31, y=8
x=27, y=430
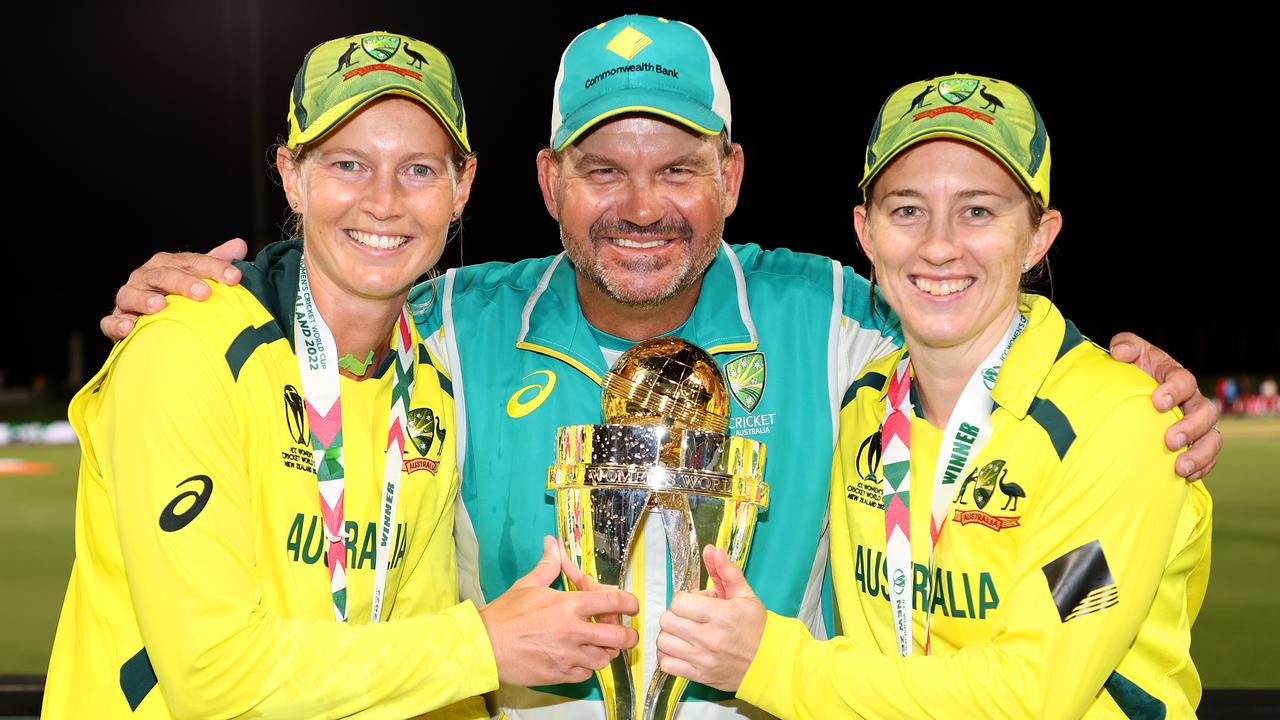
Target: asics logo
x=521, y=403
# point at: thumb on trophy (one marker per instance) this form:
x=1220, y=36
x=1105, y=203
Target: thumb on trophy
x=713, y=637
x=727, y=580
x=547, y=569
x=542, y=636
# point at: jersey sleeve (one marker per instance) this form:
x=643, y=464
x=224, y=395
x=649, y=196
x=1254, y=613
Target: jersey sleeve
x=1083, y=584
x=182, y=498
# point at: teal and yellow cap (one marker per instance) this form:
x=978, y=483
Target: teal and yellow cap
x=994, y=115
x=638, y=64
x=339, y=77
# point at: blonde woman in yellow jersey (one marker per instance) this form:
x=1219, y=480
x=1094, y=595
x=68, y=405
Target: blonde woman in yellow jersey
x=1008, y=536
x=263, y=528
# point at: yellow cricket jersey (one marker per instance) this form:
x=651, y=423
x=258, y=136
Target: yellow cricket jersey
x=200, y=586
x=1071, y=566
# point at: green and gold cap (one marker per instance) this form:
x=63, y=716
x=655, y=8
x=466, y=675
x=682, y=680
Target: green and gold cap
x=638, y=64
x=339, y=77
x=994, y=115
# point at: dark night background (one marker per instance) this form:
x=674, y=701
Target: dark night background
x=145, y=126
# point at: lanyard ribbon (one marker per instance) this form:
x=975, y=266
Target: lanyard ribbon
x=966, y=433
x=318, y=367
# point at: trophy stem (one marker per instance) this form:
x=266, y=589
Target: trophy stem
x=664, y=695
x=686, y=572
x=618, y=678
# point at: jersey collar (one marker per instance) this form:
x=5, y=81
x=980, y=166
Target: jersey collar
x=272, y=278
x=1032, y=355
x=552, y=322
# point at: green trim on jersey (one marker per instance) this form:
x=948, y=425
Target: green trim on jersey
x=1133, y=701
x=871, y=379
x=249, y=340
x=137, y=677
x=1071, y=337
x=1054, y=422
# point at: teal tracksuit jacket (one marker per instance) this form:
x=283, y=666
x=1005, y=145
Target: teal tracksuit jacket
x=792, y=331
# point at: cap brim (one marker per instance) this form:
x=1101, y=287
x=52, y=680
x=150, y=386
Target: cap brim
x=1027, y=181
x=673, y=106
x=338, y=115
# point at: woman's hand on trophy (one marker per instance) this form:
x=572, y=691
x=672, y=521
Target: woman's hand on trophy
x=711, y=637
x=542, y=636
x=579, y=580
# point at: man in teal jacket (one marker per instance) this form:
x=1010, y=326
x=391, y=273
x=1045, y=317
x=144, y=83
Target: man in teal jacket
x=640, y=175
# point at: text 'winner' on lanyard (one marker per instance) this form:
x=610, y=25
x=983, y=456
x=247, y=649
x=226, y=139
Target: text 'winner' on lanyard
x=969, y=425
x=318, y=366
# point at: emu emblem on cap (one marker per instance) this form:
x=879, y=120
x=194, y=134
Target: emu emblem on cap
x=628, y=43
x=957, y=90
x=380, y=47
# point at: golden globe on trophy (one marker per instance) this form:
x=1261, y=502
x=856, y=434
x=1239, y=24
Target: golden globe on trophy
x=663, y=447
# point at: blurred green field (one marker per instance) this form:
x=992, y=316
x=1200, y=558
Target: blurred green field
x=1236, y=640
x=38, y=534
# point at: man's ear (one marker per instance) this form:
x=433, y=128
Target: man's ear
x=549, y=181
x=731, y=169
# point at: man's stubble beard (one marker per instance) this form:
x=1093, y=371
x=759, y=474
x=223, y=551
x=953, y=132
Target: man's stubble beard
x=690, y=268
